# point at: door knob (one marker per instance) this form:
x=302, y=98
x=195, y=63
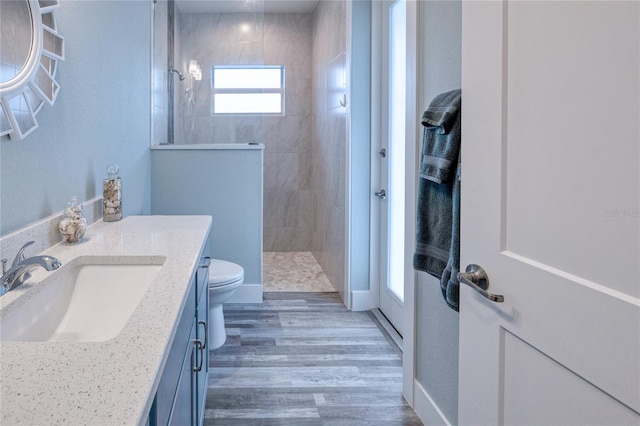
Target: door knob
x=476, y=277
x=381, y=194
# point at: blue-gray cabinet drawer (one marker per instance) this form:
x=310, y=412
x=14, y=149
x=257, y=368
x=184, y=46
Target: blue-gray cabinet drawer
x=183, y=407
x=173, y=368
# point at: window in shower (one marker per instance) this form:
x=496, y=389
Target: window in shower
x=247, y=90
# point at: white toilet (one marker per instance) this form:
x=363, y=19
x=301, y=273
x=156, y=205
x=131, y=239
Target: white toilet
x=224, y=278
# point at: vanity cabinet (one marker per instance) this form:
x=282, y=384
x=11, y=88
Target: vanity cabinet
x=183, y=407
x=181, y=395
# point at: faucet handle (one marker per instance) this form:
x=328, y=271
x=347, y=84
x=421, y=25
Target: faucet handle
x=20, y=255
x=4, y=266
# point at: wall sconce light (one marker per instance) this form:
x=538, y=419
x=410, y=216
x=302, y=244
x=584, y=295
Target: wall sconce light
x=194, y=70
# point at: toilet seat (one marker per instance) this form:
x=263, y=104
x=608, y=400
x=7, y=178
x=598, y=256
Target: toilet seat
x=224, y=273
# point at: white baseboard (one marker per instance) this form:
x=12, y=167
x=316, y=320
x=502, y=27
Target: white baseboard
x=384, y=322
x=360, y=300
x=426, y=408
x=247, y=293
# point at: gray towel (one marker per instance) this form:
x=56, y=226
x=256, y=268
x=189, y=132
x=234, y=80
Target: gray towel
x=438, y=206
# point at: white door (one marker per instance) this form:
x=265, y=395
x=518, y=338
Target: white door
x=392, y=157
x=550, y=209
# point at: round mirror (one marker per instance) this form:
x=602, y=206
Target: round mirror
x=16, y=37
x=30, y=48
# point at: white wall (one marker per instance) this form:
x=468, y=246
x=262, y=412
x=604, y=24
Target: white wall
x=101, y=116
x=360, y=144
x=439, y=49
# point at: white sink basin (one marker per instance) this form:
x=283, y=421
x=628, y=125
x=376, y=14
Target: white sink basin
x=90, y=299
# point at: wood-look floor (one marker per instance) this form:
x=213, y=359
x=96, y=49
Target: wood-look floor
x=304, y=359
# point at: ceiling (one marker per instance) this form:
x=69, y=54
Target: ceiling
x=235, y=6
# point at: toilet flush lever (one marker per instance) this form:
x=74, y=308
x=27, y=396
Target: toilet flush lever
x=381, y=194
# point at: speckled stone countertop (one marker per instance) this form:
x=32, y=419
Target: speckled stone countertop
x=111, y=382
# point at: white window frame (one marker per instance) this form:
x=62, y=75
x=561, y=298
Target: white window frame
x=215, y=91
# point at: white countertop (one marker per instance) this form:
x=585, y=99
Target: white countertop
x=111, y=382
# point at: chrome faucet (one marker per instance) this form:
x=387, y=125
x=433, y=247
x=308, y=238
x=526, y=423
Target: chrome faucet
x=19, y=271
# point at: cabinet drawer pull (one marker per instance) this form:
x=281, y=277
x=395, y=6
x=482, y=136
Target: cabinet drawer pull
x=198, y=344
x=204, y=323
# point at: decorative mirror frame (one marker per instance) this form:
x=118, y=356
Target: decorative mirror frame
x=22, y=97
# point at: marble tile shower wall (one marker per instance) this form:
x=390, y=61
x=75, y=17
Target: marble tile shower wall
x=328, y=144
x=258, y=39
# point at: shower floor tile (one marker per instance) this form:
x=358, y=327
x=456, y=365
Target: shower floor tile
x=293, y=271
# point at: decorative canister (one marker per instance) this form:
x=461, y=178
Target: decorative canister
x=112, y=196
x=73, y=224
